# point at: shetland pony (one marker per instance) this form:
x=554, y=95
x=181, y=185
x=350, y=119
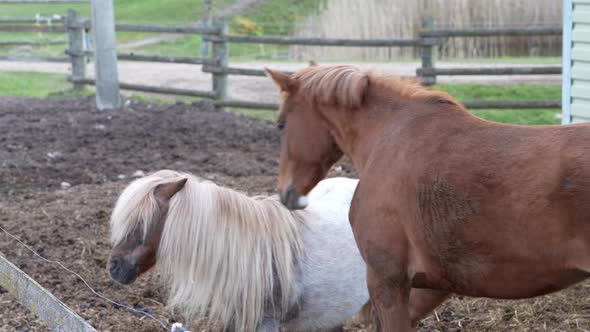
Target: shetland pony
x=446, y=202
x=248, y=263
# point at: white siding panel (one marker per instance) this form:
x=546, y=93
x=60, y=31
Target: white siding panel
x=581, y=108
x=581, y=52
x=581, y=33
x=580, y=64
x=576, y=119
x=581, y=70
x=582, y=15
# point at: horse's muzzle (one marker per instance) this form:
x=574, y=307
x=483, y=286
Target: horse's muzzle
x=121, y=270
x=292, y=199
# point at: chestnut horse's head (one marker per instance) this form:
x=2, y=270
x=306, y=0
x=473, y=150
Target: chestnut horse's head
x=137, y=223
x=308, y=146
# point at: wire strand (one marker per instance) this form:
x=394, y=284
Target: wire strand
x=51, y=261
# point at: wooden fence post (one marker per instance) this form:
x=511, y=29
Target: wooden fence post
x=76, y=47
x=105, y=56
x=220, y=55
x=428, y=51
x=206, y=22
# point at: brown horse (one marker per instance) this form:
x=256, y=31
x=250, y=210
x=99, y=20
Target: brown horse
x=447, y=202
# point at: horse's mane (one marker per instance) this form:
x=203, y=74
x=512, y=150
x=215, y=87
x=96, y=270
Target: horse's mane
x=347, y=86
x=219, y=248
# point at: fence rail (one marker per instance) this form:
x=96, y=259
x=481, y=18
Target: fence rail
x=236, y=71
x=33, y=58
x=491, y=32
x=149, y=88
x=540, y=70
x=166, y=29
x=38, y=300
x=320, y=41
x=59, y=28
x=218, y=65
x=525, y=104
x=29, y=43
x=43, y=20
x=150, y=58
x=494, y=104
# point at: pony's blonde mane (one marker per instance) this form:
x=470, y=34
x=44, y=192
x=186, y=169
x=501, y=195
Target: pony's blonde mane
x=347, y=86
x=219, y=248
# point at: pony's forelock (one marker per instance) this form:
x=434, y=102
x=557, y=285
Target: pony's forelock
x=137, y=206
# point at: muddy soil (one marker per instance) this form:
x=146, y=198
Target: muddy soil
x=62, y=165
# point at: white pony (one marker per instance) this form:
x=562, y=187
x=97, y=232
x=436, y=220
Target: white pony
x=247, y=263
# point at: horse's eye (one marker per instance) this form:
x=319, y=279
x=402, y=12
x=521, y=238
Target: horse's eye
x=281, y=125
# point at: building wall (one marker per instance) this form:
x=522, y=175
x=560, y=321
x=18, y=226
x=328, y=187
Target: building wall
x=580, y=61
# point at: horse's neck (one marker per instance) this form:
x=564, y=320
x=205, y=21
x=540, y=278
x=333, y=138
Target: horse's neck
x=355, y=131
x=358, y=132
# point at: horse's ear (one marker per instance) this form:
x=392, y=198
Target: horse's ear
x=282, y=80
x=167, y=190
x=312, y=63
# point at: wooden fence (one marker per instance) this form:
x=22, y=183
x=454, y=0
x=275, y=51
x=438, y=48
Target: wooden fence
x=39, y=301
x=219, y=66
x=429, y=72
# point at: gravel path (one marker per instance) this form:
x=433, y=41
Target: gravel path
x=261, y=88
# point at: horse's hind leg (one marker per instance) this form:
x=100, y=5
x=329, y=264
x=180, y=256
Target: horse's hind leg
x=423, y=301
x=390, y=298
x=376, y=323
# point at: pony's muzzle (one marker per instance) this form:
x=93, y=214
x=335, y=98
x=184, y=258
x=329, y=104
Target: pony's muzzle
x=292, y=199
x=121, y=270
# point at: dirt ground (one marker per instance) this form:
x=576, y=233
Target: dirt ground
x=46, y=142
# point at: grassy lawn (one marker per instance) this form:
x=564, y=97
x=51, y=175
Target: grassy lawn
x=48, y=85
x=465, y=92
x=32, y=84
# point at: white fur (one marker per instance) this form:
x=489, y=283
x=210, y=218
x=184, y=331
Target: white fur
x=302, y=201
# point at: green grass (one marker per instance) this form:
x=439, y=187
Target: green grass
x=128, y=11
x=278, y=17
x=501, y=92
x=32, y=84
x=520, y=117
x=512, y=92
x=29, y=10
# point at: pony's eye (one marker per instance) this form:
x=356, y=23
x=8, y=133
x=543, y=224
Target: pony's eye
x=281, y=125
